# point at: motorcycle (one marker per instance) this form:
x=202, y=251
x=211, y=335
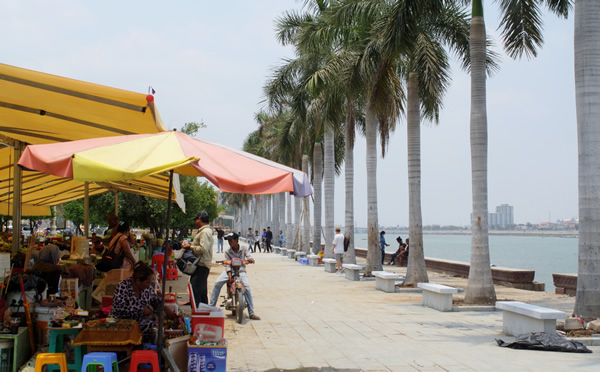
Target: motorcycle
x=235, y=299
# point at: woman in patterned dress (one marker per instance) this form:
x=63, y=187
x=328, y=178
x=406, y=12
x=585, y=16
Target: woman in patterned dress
x=136, y=299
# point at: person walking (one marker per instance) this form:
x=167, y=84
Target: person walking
x=268, y=240
x=257, y=239
x=250, y=239
x=338, y=249
x=201, y=247
x=382, y=244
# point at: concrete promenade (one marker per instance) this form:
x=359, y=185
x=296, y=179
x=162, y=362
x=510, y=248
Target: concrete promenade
x=314, y=320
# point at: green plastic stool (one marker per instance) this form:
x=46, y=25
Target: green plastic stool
x=56, y=346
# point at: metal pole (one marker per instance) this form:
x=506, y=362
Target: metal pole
x=17, y=185
x=164, y=277
x=86, y=210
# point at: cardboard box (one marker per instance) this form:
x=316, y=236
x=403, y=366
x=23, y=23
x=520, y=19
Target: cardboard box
x=207, y=358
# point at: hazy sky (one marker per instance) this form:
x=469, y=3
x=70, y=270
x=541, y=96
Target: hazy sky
x=208, y=61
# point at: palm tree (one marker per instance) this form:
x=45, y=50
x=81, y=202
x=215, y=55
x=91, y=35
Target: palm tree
x=317, y=192
x=587, y=86
x=521, y=24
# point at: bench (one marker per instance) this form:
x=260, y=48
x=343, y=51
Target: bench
x=291, y=253
x=330, y=266
x=277, y=250
x=386, y=281
x=284, y=251
x=313, y=259
x=437, y=296
x=299, y=255
x=352, y=271
x=519, y=318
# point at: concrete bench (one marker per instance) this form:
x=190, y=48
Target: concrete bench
x=386, y=281
x=284, y=251
x=299, y=255
x=519, y=318
x=313, y=259
x=352, y=271
x=291, y=253
x=437, y=296
x=277, y=250
x=330, y=266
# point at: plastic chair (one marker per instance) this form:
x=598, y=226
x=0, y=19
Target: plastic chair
x=144, y=356
x=107, y=360
x=56, y=341
x=158, y=261
x=45, y=359
x=172, y=274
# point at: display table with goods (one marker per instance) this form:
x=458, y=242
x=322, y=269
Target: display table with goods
x=109, y=335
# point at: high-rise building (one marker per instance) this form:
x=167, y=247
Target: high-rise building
x=503, y=217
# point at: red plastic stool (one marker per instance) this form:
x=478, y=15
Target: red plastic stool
x=172, y=274
x=144, y=356
x=158, y=261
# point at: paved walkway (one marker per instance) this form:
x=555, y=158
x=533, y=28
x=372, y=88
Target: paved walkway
x=314, y=320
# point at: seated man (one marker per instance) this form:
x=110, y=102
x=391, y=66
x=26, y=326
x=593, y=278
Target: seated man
x=235, y=251
x=401, y=253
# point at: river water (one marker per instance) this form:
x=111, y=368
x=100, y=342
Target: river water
x=545, y=255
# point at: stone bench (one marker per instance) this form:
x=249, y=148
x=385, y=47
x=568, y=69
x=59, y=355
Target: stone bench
x=386, y=281
x=277, y=250
x=299, y=255
x=330, y=265
x=284, y=251
x=352, y=271
x=313, y=259
x=519, y=318
x=437, y=296
x=291, y=253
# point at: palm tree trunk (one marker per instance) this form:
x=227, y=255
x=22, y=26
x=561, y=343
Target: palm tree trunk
x=374, y=252
x=587, y=95
x=275, y=225
x=306, y=215
x=289, y=236
x=480, y=287
x=317, y=192
x=329, y=189
x=282, y=225
x=416, y=271
x=297, y=241
x=349, y=256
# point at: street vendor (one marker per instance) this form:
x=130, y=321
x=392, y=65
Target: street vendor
x=113, y=223
x=135, y=298
x=47, y=267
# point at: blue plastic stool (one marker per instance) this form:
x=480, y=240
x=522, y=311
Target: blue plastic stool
x=107, y=360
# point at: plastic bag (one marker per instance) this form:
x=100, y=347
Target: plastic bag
x=545, y=341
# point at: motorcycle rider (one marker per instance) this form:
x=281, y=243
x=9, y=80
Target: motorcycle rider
x=235, y=251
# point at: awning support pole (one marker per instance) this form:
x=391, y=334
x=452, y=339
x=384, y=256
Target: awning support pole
x=17, y=184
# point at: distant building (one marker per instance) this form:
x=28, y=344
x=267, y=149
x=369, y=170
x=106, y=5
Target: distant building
x=504, y=217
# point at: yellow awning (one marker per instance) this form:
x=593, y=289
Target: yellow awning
x=41, y=108
x=26, y=210
x=38, y=108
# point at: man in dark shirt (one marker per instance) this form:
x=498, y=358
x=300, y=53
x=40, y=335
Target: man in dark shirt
x=220, y=235
x=268, y=239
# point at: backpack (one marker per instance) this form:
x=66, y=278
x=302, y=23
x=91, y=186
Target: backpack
x=346, y=243
x=188, y=263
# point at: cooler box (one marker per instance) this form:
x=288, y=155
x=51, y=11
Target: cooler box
x=204, y=314
x=207, y=358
